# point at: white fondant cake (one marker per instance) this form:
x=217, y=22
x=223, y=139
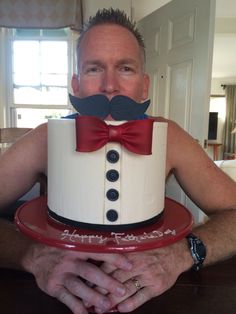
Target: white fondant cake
x=79, y=182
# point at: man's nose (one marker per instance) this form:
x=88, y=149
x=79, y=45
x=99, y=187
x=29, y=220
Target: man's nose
x=110, y=84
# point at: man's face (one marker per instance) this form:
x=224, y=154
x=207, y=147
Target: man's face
x=110, y=63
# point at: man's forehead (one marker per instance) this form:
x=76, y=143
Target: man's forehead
x=110, y=35
x=108, y=29
x=116, y=62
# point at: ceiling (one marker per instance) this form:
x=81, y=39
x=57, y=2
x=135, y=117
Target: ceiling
x=225, y=8
x=224, y=61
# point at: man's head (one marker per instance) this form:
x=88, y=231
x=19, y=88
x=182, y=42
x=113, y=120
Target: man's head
x=111, y=16
x=111, y=58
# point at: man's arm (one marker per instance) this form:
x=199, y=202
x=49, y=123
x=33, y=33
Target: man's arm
x=21, y=165
x=210, y=188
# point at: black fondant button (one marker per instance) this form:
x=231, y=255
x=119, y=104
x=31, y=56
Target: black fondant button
x=112, y=195
x=112, y=175
x=113, y=156
x=112, y=215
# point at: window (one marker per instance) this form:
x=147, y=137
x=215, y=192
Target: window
x=218, y=105
x=41, y=75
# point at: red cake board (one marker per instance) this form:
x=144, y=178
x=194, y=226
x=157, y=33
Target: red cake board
x=32, y=220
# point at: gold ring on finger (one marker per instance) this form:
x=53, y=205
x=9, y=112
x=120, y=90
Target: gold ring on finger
x=136, y=283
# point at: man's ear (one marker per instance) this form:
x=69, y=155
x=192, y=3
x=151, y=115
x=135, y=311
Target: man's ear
x=75, y=84
x=146, y=83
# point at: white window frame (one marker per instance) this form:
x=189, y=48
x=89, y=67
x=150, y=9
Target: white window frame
x=5, y=77
x=7, y=106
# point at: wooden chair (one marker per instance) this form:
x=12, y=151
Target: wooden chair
x=10, y=135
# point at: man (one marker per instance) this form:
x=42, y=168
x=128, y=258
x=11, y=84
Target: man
x=111, y=62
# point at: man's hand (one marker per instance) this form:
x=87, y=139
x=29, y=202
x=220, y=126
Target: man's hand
x=153, y=273
x=65, y=275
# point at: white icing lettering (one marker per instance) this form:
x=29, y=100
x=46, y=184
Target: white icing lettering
x=115, y=237
x=83, y=238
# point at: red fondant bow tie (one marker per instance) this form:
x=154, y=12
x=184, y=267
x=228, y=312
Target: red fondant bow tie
x=93, y=133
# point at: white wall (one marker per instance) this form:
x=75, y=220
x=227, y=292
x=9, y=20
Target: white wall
x=142, y=8
x=90, y=7
x=216, y=88
x=137, y=9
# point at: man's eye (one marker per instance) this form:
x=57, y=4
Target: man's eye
x=93, y=70
x=126, y=69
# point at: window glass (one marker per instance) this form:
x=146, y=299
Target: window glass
x=26, y=66
x=37, y=67
x=40, y=72
x=20, y=32
x=218, y=104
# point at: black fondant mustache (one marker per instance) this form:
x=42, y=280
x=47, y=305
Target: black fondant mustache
x=119, y=107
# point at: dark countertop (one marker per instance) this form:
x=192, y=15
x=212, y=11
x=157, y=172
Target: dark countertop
x=212, y=290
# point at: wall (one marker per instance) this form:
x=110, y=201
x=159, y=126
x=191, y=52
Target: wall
x=137, y=9
x=216, y=84
x=141, y=8
x=90, y=7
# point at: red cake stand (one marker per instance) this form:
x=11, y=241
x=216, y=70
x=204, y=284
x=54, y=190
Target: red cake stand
x=32, y=220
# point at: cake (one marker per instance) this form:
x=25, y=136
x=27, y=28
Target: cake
x=108, y=188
